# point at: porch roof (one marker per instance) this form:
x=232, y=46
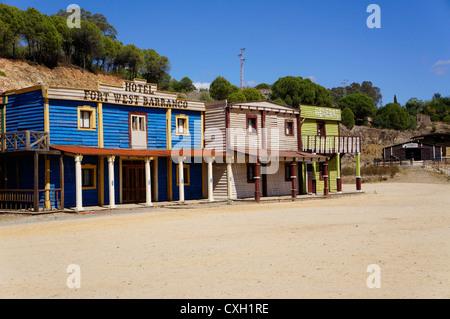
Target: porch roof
x=134, y=152
x=300, y=156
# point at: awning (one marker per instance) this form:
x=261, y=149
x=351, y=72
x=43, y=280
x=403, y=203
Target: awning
x=299, y=156
x=134, y=152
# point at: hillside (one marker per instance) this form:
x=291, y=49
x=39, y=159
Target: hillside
x=20, y=74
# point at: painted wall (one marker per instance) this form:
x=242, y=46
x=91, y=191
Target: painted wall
x=192, y=191
x=194, y=139
x=64, y=124
x=116, y=126
x=25, y=112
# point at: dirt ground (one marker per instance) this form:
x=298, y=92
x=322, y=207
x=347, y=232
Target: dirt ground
x=296, y=250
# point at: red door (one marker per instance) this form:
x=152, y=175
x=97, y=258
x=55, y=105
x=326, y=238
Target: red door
x=309, y=177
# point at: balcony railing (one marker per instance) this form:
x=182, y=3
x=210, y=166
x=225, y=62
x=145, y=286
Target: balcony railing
x=331, y=144
x=24, y=140
x=25, y=200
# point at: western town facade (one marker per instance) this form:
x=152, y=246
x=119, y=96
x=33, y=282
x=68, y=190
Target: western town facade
x=274, y=150
x=75, y=148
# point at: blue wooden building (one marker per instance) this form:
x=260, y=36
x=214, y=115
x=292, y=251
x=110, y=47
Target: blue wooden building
x=75, y=148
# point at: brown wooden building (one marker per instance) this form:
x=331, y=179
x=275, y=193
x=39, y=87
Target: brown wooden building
x=412, y=151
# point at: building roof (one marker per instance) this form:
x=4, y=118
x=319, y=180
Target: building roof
x=134, y=152
x=300, y=156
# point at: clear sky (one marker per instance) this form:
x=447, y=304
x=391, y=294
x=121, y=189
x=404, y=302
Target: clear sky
x=328, y=41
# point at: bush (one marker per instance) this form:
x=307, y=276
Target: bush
x=2, y=73
x=348, y=118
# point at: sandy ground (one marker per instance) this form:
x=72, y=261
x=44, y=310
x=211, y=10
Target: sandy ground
x=305, y=249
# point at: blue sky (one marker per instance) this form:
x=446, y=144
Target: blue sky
x=327, y=40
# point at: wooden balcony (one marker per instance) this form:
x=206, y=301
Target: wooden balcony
x=331, y=144
x=25, y=141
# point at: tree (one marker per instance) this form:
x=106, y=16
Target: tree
x=348, y=118
x=262, y=86
x=220, y=88
x=414, y=106
x=360, y=104
x=11, y=28
x=365, y=87
x=252, y=94
x=395, y=99
x=438, y=108
x=97, y=18
x=393, y=116
x=132, y=58
x=296, y=90
x=87, y=42
x=155, y=67
x=237, y=97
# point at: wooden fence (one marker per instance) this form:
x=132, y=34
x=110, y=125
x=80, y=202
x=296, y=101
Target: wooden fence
x=15, y=200
x=331, y=144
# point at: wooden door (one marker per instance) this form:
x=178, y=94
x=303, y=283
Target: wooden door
x=138, y=131
x=133, y=182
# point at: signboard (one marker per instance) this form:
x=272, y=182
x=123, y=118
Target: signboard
x=411, y=145
x=136, y=93
x=320, y=112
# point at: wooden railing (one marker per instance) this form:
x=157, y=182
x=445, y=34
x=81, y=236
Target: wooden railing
x=331, y=144
x=24, y=140
x=19, y=200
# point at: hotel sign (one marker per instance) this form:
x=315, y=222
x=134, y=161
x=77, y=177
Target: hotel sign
x=132, y=93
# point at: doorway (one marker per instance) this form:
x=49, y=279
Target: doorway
x=134, y=181
x=309, y=178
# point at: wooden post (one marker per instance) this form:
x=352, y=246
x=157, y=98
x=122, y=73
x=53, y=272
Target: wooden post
x=338, y=170
x=210, y=179
x=257, y=178
x=36, y=182
x=61, y=178
x=294, y=179
x=229, y=179
x=181, y=178
x=358, y=172
x=148, y=182
x=325, y=178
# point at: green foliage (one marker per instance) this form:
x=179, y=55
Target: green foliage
x=48, y=40
x=238, y=96
x=348, y=118
x=252, y=94
x=221, y=88
x=393, y=116
x=155, y=67
x=360, y=104
x=262, y=86
x=296, y=90
x=2, y=73
x=438, y=108
x=365, y=87
x=204, y=96
x=414, y=106
x=185, y=85
x=279, y=101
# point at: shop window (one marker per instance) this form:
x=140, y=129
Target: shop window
x=89, y=176
x=287, y=172
x=289, y=128
x=186, y=173
x=251, y=173
x=182, y=125
x=86, y=118
x=252, y=124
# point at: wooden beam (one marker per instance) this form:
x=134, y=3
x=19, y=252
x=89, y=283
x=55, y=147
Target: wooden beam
x=61, y=178
x=36, y=182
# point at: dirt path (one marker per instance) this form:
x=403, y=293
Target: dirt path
x=304, y=249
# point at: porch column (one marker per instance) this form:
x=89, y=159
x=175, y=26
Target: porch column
x=112, y=198
x=257, y=179
x=78, y=183
x=210, y=160
x=358, y=172
x=148, y=184
x=338, y=169
x=229, y=179
x=294, y=179
x=325, y=179
x=314, y=181
x=181, y=177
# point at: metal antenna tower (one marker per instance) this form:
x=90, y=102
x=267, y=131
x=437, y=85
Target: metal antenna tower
x=242, y=67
